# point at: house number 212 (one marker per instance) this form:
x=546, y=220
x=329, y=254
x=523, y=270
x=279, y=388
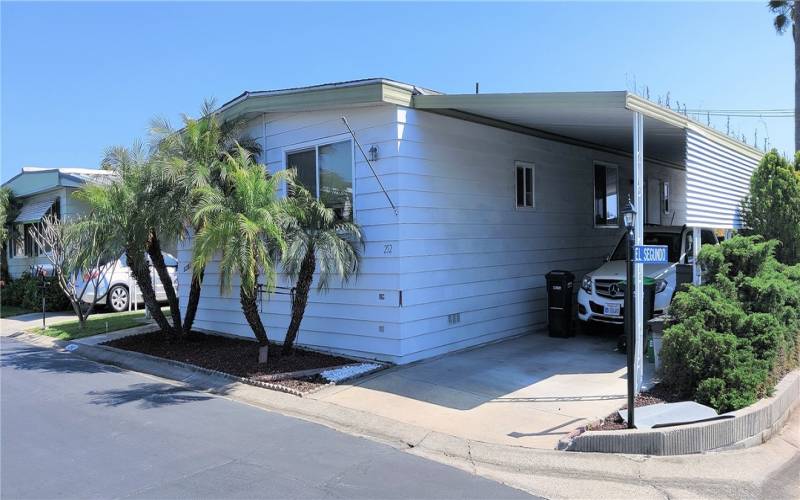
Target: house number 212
x=387, y=249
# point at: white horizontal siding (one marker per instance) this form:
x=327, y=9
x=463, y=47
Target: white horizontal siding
x=351, y=319
x=718, y=178
x=458, y=245
x=464, y=246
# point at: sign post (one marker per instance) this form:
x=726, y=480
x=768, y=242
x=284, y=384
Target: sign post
x=637, y=254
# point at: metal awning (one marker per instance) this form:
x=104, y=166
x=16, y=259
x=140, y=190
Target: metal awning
x=33, y=212
x=600, y=120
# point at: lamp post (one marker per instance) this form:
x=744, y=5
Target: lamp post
x=629, y=218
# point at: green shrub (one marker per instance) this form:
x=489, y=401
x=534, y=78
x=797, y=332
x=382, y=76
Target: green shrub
x=772, y=208
x=26, y=292
x=692, y=353
x=716, y=311
x=732, y=338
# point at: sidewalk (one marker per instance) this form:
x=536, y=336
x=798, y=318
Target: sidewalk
x=14, y=324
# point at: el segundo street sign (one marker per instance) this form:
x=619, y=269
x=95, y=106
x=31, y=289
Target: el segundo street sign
x=650, y=254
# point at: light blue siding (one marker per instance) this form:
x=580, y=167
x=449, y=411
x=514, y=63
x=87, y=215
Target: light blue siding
x=465, y=247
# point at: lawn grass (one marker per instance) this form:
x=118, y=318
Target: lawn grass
x=96, y=324
x=8, y=311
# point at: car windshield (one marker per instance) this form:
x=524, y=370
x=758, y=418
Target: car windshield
x=671, y=240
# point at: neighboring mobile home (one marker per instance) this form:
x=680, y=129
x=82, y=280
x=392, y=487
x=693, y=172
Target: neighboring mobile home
x=43, y=191
x=492, y=192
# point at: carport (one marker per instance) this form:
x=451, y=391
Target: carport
x=717, y=167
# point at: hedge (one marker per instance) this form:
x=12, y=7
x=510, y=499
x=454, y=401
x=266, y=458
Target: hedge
x=26, y=292
x=731, y=339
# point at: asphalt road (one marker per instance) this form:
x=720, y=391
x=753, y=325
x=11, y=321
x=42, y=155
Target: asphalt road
x=71, y=428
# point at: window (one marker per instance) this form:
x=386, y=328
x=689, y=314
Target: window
x=17, y=241
x=665, y=196
x=606, y=199
x=22, y=242
x=31, y=248
x=525, y=185
x=327, y=172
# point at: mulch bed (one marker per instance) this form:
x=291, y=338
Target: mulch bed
x=658, y=394
x=234, y=356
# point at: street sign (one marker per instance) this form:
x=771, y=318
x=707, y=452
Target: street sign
x=651, y=254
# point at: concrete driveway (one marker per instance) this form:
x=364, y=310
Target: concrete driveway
x=529, y=391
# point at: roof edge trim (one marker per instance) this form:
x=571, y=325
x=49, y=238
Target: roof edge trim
x=639, y=104
x=359, y=92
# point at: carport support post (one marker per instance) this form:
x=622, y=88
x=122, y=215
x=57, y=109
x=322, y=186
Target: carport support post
x=696, y=242
x=638, y=232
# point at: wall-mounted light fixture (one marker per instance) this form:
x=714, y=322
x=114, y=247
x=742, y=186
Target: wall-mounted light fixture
x=373, y=153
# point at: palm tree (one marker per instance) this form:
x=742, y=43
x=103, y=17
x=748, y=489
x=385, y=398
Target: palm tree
x=117, y=209
x=244, y=227
x=787, y=13
x=192, y=158
x=9, y=208
x=316, y=238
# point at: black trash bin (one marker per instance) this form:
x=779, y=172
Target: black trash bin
x=559, y=303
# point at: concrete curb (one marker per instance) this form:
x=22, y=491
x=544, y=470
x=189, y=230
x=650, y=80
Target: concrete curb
x=750, y=426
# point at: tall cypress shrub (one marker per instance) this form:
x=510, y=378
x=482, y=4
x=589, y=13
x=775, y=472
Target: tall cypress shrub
x=772, y=209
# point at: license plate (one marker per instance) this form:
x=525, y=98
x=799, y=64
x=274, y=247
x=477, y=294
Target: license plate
x=611, y=309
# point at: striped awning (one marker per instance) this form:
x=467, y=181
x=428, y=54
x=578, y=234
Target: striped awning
x=33, y=212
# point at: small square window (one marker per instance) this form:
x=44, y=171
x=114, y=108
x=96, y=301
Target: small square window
x=525, y=184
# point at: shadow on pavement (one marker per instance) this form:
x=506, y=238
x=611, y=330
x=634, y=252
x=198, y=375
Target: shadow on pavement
x=18, y=356
x=153, y=395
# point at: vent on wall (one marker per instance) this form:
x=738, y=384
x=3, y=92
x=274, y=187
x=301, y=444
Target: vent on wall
x=454, y=318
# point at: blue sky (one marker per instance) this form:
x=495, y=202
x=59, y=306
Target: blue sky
x=77, y=78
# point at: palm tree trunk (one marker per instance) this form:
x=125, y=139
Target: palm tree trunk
x=194, y=300
x=141, y=273
x=4, y=274
x=300, y=300
x=157, y=258
x=247, y=298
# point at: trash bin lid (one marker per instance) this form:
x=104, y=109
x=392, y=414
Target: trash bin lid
x=646, y=282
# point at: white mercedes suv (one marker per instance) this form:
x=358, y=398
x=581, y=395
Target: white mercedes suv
x=601, y=296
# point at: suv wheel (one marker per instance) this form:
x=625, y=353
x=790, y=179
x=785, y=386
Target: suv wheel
x=118, y=298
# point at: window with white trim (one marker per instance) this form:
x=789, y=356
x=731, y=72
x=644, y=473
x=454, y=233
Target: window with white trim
x=525, y=183
x=327, y=172
x=606, y=195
